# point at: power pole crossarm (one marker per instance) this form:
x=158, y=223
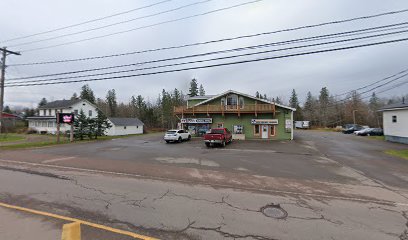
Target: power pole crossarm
x=4, y=53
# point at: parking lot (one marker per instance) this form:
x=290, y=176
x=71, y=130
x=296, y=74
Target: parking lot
x=188, y=191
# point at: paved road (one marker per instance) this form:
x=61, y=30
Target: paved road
x=185, y=191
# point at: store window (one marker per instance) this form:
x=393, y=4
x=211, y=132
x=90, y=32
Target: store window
x=90, y=113
x=241, y=102
x=238, y=129
x=232, y=100
x=256, y=129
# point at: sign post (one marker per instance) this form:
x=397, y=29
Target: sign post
x=58, y=128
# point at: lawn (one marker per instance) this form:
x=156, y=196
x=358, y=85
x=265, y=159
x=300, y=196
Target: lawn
x=377, y=137
x=11, y=137
x=398, y=153
x=50, y=140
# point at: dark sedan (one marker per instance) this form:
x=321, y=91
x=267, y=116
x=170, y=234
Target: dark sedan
x=372, y=132
x=352, y=129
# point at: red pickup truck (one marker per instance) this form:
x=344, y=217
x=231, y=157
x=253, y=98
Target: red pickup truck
x=219, y=136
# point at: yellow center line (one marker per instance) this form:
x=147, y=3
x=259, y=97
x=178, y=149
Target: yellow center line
x=70, y=219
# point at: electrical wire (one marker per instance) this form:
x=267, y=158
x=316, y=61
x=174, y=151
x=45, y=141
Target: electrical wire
x=86, y=22
x=213, y=65
x=314, y=38
x=148, y=26
x=112, y=24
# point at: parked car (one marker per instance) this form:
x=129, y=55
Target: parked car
x=176, y=135
x=350, y=128
x=220, y=136
x=371, y=132
x=362, y=131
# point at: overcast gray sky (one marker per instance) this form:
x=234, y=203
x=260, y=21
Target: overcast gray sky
x=339, y=71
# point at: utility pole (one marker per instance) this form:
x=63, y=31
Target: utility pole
x=4, y=54
x=354, y=116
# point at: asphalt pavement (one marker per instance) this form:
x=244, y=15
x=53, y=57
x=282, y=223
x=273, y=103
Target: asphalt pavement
x=323, y=185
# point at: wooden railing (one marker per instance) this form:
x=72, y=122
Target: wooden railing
x=208, y=109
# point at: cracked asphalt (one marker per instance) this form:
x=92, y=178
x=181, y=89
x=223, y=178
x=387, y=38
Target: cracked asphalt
x=332, y=186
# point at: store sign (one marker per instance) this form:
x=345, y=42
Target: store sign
x=196, y=120
x=264, y=121
x=67, y=118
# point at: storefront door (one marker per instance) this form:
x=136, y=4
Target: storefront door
x=265, y=131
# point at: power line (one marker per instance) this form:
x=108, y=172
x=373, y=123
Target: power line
x=112, y=24
x=334, y=35
x=216, y=65
x=371, y=84
x=161, y=49
x=149, y=26
x=86, y=22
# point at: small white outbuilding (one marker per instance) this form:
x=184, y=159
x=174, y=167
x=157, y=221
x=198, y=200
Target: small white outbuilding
x=395, y=122
x=124, y=126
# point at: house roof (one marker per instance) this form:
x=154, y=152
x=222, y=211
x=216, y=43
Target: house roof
x=200, y=97
x=126, y=121
x=246, y=95
x=395, y=106
x=61, y=103
x=9, y=115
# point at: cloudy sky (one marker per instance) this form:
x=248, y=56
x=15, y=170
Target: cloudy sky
x=340, y=71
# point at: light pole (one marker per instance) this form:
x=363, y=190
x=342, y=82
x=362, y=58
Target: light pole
x=354, y=116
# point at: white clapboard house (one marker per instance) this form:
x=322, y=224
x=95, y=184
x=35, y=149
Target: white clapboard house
x=46, y=121
x=395, y=122
x=124, y=126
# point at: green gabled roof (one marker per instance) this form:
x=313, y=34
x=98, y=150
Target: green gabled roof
x=245, y=95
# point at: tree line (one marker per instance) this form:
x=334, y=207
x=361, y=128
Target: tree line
x=323, y=109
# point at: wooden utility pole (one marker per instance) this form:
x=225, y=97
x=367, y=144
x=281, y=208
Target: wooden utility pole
x=4, y=54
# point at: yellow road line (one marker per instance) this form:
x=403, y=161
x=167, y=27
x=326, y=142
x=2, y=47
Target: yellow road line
x=95, y=225
x=71, y=231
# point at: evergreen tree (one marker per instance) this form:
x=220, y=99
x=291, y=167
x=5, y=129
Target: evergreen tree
x=74, y=96
x=193, y=91
x=101, y=124
x=310, y=107
x=278, y=101
x=87, y=93
x=43, y=102
x=178, y=98
x=81, y=125
x=7, y=109
x=202, y=91
x=112, y=102
x=294, y=103
x=323, y=105
x=257, y=95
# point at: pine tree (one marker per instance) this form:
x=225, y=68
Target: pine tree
x=310, y=107
x=87, y=93
x=7, y=109
x=294, y=103
x=257, y=95
x=101, y=123
x=193, y=91
x=43, y=102
x=278, y=101
x=202, y=91
x=81, y=125
x=112, y=102
x=74, y=96
x=323, y=105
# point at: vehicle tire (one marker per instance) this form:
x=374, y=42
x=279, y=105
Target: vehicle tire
x=167, y=141
x=368, y=134
x=189, y=138
x=207, y=144
x=180, y=139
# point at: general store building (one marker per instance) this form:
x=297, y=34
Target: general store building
x=247, y=117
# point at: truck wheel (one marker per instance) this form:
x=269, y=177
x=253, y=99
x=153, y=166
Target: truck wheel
x=180, y=139
x=207, y=144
